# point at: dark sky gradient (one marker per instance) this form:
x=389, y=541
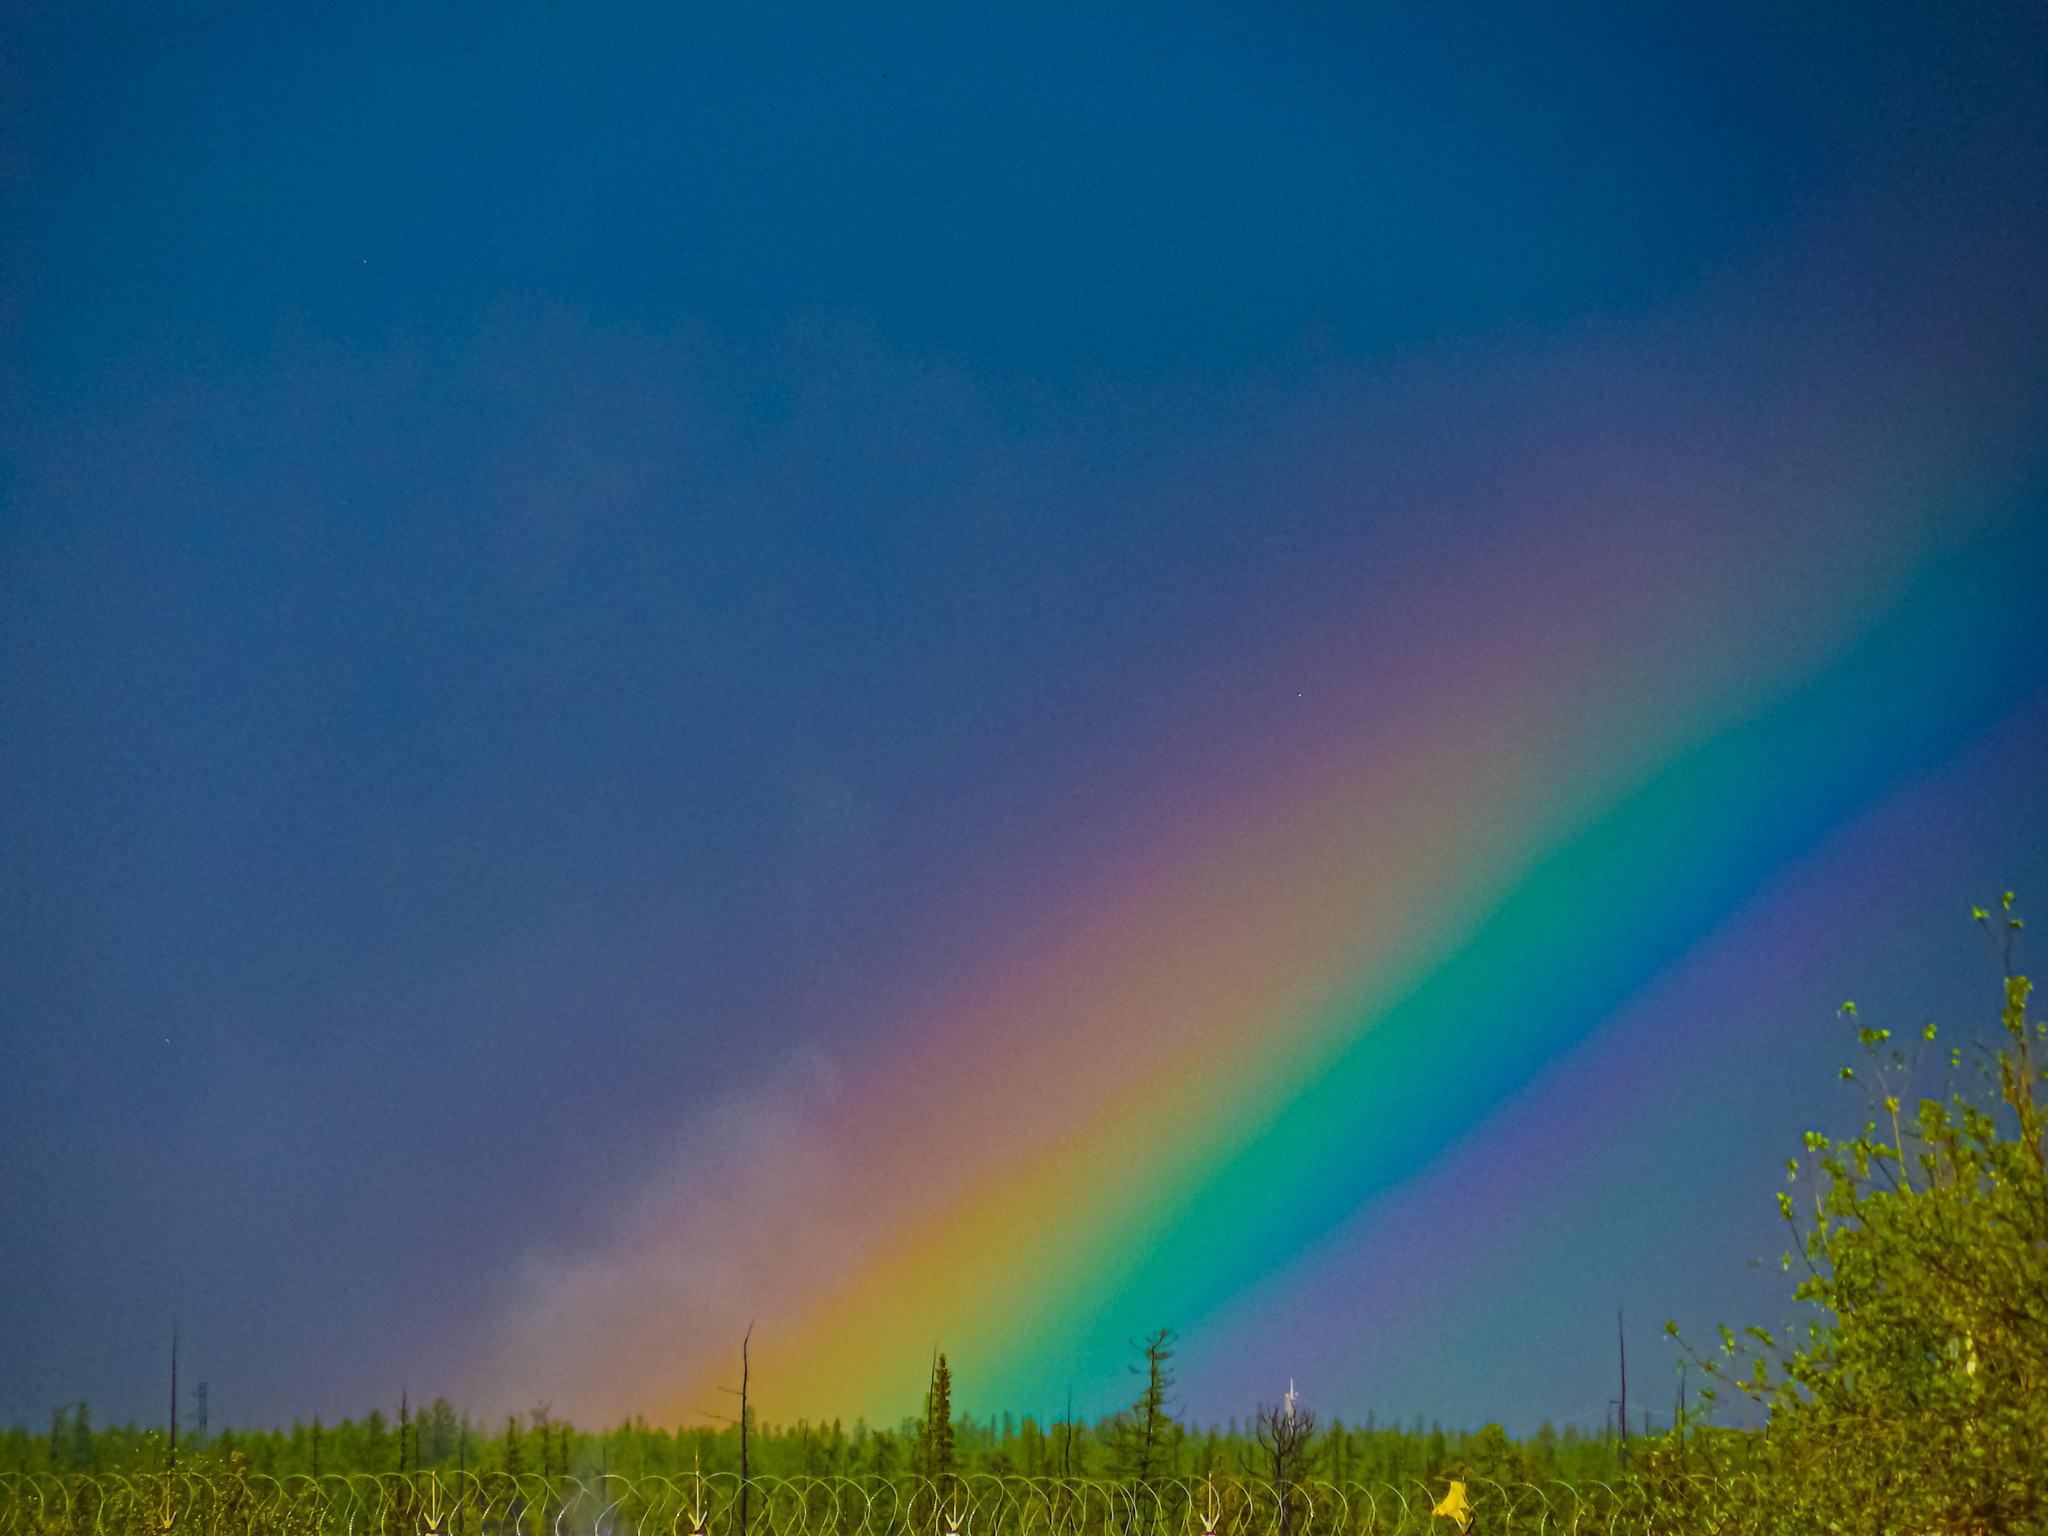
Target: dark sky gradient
x=1139, y=194
x=555, y=559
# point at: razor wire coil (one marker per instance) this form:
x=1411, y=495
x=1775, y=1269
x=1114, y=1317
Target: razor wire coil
x=214, y=1501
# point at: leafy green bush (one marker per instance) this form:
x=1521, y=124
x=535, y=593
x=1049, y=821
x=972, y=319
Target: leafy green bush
x=1918, y=1399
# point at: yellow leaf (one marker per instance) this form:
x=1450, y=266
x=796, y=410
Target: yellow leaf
x=1454, y=1506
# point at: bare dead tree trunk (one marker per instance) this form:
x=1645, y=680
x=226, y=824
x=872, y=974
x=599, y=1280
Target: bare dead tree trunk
x=744, y=1341
x=1285, y=1432
x=1621, y=1334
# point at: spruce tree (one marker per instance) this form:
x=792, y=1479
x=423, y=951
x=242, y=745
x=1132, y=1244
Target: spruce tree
x=1145, y=1430
x=935, y=1442
x=934, y=1448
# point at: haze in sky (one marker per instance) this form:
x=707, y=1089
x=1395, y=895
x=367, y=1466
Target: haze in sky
x=987, y=678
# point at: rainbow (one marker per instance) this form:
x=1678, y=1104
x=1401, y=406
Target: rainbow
x=1231, y=1144
x=1579, y=758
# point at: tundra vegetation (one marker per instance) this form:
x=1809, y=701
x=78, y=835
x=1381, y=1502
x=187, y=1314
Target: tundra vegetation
x=1002, y=1445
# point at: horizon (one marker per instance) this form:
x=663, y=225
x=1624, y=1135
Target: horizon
x=997, y=1425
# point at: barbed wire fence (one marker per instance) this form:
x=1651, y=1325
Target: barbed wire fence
x=212, y=1501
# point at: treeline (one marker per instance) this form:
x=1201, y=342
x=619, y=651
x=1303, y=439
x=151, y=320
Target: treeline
x=437, y=1437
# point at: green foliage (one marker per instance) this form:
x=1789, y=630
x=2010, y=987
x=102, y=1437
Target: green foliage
x=1917, y=1397
x=439, y=1434
x=1371, y=1452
